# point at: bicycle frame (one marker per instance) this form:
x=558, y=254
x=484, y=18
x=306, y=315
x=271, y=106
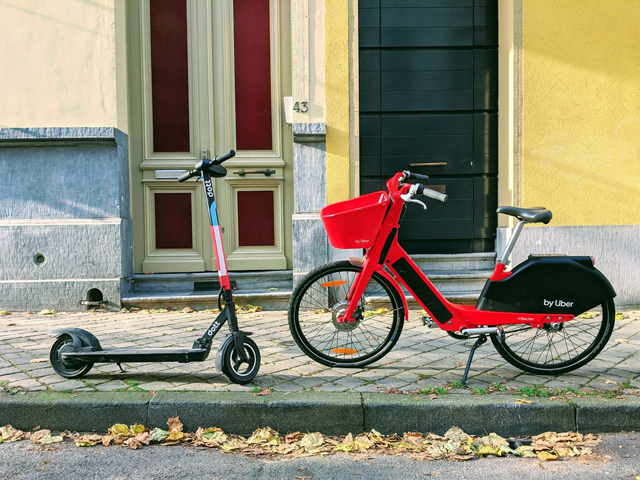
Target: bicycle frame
x=389, y=259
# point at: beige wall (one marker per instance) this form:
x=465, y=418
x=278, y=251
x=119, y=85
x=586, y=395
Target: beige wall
x=58, y=63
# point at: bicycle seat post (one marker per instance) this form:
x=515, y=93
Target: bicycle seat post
x=504, y=259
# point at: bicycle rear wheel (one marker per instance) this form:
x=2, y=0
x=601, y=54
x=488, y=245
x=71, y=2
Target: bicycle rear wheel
x=320, y=299
x=557, y=347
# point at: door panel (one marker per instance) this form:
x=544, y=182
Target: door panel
x=428, y=103
x=210, y=77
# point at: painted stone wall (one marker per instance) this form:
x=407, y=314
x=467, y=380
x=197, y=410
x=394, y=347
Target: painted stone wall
x=66, y=232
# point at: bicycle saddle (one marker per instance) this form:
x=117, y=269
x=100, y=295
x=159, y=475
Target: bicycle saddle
x=528, y=215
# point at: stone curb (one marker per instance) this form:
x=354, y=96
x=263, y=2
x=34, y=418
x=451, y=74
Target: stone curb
x=329, y=413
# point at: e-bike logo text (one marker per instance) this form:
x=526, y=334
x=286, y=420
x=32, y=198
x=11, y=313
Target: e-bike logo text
x=208, y=188
x=213, y=329
x=557, y=303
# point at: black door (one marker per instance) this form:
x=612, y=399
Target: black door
x=429, y=104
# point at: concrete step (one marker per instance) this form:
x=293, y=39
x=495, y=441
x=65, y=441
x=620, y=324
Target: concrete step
x=268, y=300
x=455, y=262
x=207, y=281
x=460, y=278
x=270, y=290
x=452, y=283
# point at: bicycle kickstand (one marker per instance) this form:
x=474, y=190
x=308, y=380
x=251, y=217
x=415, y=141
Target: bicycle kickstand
x=481, y=339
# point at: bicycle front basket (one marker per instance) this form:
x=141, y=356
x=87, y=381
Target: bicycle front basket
x=355, y=223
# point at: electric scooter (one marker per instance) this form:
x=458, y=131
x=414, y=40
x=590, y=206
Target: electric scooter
x=76, y=350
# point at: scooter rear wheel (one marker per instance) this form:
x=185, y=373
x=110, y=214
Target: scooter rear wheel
x=557, y=347
x=66, y=368
x=233, y=367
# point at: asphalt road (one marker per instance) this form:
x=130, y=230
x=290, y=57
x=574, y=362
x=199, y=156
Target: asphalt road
x=617, y=458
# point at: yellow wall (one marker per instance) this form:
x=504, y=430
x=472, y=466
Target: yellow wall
x=58, y=63
x=337, y=99
x=581, y=153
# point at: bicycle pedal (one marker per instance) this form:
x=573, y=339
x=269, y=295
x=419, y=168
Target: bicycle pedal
x=428, y=322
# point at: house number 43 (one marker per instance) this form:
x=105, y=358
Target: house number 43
x=301, y=107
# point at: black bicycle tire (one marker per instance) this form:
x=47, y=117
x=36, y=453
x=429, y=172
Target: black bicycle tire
x=589, y=353
x=306, y=346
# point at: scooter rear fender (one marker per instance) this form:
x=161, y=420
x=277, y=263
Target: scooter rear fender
x=81, y=338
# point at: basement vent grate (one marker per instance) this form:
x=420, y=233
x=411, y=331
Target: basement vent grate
x=210, y=286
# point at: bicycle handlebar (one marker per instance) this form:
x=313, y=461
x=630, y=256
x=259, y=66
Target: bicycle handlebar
x=427, y=192
x=187, y=175
x=224, y=157
x=415, y=176
x=203, y=163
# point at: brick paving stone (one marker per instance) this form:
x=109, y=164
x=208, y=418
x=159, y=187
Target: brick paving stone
x=26, y=383
x=293, y=387
x=308, y=383
x=369, y=375
x=13, y=376
x=350, y=382
x=334, y=387
x=68, y=385
x=368, y=388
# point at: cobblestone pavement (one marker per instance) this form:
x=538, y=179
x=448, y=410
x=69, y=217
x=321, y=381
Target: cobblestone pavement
x=421, y=359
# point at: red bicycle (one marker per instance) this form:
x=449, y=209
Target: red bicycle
x=548, y=315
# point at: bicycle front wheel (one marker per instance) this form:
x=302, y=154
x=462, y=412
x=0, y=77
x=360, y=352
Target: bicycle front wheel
x=321, y=299
x=557, y=347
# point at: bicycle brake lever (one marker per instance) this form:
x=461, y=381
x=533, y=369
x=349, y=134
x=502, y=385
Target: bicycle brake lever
x=408, y=198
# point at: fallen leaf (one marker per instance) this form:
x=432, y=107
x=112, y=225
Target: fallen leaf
x=4, y=312
x=158, y=435
x=119, y=430
x=136, y=429
x=610, y=382
x=46, y=311
x=37, y=435
x=312, y=441
x=234, y=443
x=49, y=439
x=622, y=340
x=144, y=438
x=213, y=436
x=175, y=425
x=456, y=434
x=39, y=360
x=88, y=440
x=174, y=436
x=265, y=436
x=10, y=434
x=546, y=456
x=520, y=401
x=133, y=443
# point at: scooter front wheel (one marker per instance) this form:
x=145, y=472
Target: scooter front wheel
x=67, y=368
x=230, y=363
